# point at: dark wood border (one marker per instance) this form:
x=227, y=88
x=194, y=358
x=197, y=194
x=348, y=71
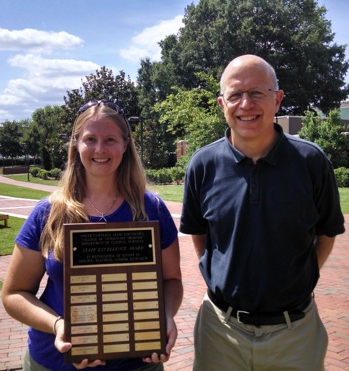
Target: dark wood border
x=89, y=346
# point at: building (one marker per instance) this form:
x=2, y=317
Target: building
x=293, y=124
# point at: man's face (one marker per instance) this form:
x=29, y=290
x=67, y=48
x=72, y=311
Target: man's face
x=249, y=101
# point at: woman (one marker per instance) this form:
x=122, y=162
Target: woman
x=104, y=182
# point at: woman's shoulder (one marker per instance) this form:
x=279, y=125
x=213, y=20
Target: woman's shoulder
x=43, y=206
x=152, y=197
x=154, y=203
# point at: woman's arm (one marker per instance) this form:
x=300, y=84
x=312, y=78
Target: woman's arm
x=173, y=295
x=22, y=282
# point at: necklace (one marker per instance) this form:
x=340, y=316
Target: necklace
x=102, y=213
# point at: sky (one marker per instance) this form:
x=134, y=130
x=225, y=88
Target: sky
x=47, y=47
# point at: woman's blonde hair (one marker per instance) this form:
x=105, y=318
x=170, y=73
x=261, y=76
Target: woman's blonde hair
x=67, y=202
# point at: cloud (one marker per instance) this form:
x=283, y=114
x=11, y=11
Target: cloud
x=38, y=66
x=37, y=41
x=46, y=81
x=145, y=44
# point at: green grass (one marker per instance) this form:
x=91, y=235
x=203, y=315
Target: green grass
x=8, y=234
x=24, y=178
x=22, y=192
x=168, y=192
x=344, y=195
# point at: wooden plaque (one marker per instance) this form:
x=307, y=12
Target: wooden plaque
x=113, y=291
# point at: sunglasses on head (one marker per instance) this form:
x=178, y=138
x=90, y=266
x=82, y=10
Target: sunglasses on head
x=111, y=105
x=93, y=103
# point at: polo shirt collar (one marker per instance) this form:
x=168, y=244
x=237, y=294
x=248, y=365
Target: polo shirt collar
x=271, y=157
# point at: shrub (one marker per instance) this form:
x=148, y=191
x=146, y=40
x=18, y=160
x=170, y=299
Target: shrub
x=328, y=134
x=34, y=171
x=43, y=174
x=177, y=174
x=55, y=173
x=342, y=176
x=166, y=175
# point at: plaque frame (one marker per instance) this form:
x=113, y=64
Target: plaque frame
x=113, y=291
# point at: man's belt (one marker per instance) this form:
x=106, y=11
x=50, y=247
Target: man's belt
x=259, y=319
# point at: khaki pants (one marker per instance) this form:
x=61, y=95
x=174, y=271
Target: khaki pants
x=31, y=365
x=222, y=344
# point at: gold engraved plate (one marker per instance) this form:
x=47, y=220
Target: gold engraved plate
x=114, y=348
x=145, y=295
x=80, y=299
x=83, y=279
x=86, y=329
x=117, y=277
x=147, y=346
x=116, y=327
x=144, y=285
x=139, y=305
x=115, y=307
x=83, y=288
x=149, y=335
x=78, y=340
x=115, y=317
x=83, y=313
x=147, y=325
x=116, y=338
x=114, y=287
x=144, y=276
x=76, y=351
x=115, y=297
x=146, y=315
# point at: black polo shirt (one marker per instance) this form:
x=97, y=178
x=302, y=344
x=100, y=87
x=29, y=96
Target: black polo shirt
x=260, y=220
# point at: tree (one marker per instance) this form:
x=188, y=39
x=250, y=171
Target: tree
x=293, y=35
x=31, y=138
x=48, y=120
x=328, y=134
x=158, y=142
x=10, y=139
x=194, y=114
x=102, y=85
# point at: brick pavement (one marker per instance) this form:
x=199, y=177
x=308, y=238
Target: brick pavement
x=332, y=296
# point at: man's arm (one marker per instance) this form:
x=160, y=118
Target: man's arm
x=323, y=247
x=199, y=241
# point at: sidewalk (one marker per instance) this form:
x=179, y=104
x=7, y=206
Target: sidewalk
x=332, y=296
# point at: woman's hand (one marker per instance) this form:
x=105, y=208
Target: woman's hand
x=85, y=363
x=171, y=340
x=173, y=292
x=63, y=347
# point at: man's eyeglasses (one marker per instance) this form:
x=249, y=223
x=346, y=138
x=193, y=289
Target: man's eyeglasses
x=256, y=95
x=93, y=103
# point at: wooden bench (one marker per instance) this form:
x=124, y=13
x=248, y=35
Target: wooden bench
x=4, y=218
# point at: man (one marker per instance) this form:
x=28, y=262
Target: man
x=263, y=211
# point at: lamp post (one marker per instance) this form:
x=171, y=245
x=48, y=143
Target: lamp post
x=26, y=158
x=140, y=120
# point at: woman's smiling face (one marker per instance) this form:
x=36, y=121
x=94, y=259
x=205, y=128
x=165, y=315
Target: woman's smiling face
x=101, y=146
